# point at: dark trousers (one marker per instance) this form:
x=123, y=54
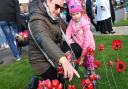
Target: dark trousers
x=77, y=50
x=105, y=25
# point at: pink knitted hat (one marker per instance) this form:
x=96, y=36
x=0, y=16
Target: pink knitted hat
x=74, y=6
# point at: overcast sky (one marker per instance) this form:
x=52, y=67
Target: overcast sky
x=23, y=1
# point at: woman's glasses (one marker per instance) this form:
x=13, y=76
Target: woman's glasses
x=59, y=7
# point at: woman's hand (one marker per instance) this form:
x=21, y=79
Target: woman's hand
x=69, y=70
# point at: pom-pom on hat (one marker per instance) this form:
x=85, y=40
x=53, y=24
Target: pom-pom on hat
x=74, y=6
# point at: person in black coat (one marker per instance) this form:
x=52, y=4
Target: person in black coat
x=90, y=13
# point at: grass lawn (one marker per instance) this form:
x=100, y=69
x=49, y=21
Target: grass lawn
x=18, y=75
x=121, y=23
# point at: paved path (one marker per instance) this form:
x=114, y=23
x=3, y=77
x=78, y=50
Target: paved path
x=122, y=30
x=7, y=56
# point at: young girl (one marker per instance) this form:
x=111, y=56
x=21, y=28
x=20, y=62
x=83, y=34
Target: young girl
x=78, y=32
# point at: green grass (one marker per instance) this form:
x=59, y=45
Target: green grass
x=15, y=76
x=18, y=75
x=107, y=72
x=121, y=23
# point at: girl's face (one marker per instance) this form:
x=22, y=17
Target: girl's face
x=76, y=16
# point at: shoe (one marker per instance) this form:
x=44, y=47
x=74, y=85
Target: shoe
x=106, y=32
x=18, y=59
x=112, y=32
x=6, y=46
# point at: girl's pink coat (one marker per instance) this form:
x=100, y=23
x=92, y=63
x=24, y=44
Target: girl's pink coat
x=83, y=36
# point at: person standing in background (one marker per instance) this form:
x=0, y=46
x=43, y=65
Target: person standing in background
x=10, y=21
x=112, y=11
x=103, y=16
x=3, y=41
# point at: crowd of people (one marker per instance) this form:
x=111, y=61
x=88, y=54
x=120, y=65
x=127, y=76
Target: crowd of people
x=56, y=27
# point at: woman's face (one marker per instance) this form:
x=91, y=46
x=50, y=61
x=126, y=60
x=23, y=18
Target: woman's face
x=76, y=16
x=55, y=7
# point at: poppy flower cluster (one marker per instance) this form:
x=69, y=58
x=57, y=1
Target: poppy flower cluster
x=71, y=86
x=87, y=84
x=120, y=66
x=47, y=84
x=116, y=44
x=94, y=77
x=88, y=51
x=22, y=36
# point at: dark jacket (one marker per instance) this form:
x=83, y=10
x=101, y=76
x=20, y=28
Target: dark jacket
x=48, y=34
x=89, y=9
x=112, y=11
x=10, y=11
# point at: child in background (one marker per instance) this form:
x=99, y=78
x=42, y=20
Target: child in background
x=78, y=32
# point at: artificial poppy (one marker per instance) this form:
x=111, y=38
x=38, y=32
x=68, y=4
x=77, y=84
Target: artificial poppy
x=120, y=66
x=101, y=47
x=55, y=83
x=87, y=84
x=40, y=84
x=110, y=63
x=116, y=44
x=60, y=86
x=88, y=51
x=97, y=64
x=77, y=62
x=71, y=86
x=69, y=56
x=60, y=70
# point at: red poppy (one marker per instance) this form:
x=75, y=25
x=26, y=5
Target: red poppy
x=77, y=62
x=97, y=64
x=116, y=44
x=110, y=63
x=69, y=56
x=87, y=84
x=93, y=77
x=40, y=84
x=101, y=47
x=55, y=83
x=48, y=84
x=88, y=51
x=60, y=86
x=120, y=66
x=60, y=70
x=71, y=86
